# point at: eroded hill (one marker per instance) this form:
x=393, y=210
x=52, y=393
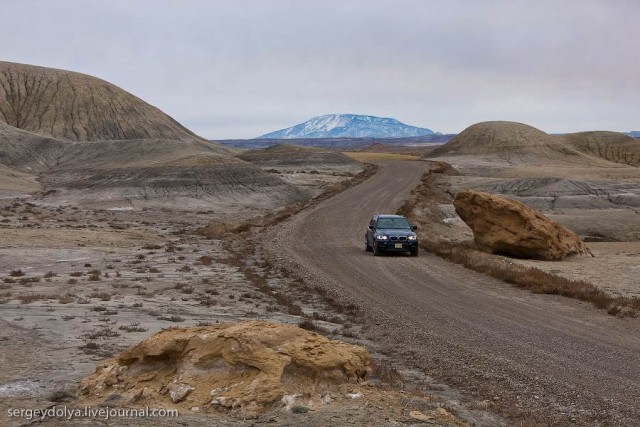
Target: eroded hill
x=69, y=138
x=613, y=146
x=78, y=107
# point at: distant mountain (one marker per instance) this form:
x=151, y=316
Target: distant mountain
x=635, y=133
x=349, y=126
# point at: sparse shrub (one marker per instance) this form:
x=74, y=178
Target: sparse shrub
x=49, y=274
x=185, y=269
x=101, y=333
x=207, y=301
x=76, y=273
x=104, y=296
x=66, y=299
x=27, y=299
x=16, y=273
x=386, y=374
x=309, y=325
x=133, y=327
x=28, y=281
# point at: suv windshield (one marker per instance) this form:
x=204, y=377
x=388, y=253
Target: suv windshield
x=393, y=223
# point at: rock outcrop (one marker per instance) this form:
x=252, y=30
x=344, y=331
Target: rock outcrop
x=248, y=365
x=508, y=227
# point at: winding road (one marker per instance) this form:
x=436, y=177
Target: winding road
x=536, y=357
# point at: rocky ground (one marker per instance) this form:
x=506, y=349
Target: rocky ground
x=79, y=285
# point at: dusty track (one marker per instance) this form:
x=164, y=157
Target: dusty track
x=537, y=357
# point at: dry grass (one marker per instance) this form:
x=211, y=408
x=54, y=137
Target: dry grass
x=310, y=325
x=386, y=374
x=362, y=156
x=133, y=327
x=27, y=299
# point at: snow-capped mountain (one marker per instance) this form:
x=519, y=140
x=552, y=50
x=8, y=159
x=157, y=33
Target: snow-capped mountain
x=635, y=134
x=349, y=126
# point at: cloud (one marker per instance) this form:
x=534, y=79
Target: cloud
x=233, y=69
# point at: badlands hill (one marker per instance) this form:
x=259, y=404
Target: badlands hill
x=68, y=105
x=518, y=143
x=70, y=138
x=613, y=146
x=507, y=141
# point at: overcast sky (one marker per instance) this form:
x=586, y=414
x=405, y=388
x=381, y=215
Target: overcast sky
x=240, y=68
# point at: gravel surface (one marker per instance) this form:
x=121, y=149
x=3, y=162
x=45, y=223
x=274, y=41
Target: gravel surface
x=534, y=358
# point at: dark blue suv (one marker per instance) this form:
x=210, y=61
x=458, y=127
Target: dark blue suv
x=390, y=233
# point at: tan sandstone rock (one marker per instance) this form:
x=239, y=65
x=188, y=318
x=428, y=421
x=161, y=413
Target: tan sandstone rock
x=504, y=226
x=245, y=365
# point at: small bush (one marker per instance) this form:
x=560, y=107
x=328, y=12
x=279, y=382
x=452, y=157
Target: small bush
x=133, y=327
x=104, y=296
x=309, y=325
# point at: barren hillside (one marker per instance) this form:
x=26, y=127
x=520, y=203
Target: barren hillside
x=508, y=141
x=613, y=146
x=74, y=138
x=78, y=107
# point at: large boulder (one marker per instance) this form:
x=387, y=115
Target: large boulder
x=508, y=227
x=247, y=365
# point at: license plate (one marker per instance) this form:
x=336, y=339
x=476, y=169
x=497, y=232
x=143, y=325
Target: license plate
x=398, y=245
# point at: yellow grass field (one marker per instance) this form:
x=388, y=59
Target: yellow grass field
x=371, y=157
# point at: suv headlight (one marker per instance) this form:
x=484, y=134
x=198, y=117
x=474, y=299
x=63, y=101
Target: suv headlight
x=412, y=238
x=381, y=237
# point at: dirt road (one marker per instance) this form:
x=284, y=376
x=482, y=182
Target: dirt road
x=534, y=357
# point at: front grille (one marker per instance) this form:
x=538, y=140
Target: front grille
x=402, y=238
x=393, y=238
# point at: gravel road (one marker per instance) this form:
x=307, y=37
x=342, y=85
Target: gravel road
x=536, y=358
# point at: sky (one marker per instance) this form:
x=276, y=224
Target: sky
x=243, y=68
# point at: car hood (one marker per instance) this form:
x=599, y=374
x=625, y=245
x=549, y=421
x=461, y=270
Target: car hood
x=395, y=232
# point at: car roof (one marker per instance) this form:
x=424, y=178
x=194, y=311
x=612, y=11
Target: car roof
x=389, y=216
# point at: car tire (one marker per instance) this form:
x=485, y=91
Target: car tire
x=414, y=253
x=376, y=251
x=367, y=246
